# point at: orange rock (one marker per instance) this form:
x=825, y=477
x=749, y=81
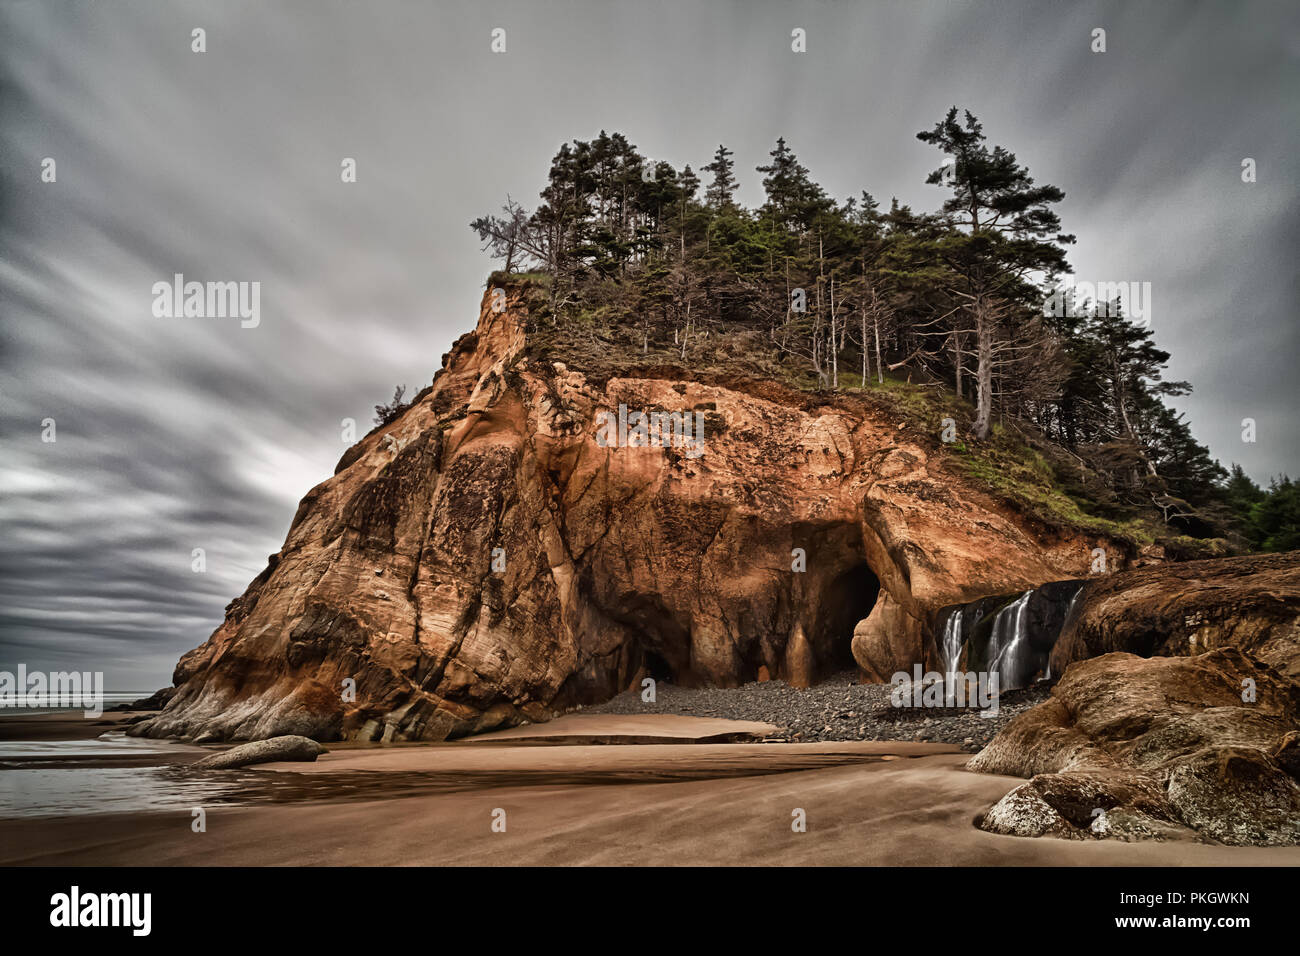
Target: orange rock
x=526, y=569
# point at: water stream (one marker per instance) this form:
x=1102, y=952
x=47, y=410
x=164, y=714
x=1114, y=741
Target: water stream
x=1009, y=645
x=1010, y=635
x=951, y=644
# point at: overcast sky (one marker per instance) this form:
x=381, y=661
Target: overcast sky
x=175, y=434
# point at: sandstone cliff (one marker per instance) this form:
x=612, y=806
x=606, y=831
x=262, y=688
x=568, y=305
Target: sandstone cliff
x=483, y=560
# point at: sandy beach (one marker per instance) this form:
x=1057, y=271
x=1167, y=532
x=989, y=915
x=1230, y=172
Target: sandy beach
x=61, y=725
x=887, y=803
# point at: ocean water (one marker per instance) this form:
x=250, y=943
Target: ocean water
x=16, y=752
x=54, y=777
x=55, y=791
x=114, y=773
x=111, y=699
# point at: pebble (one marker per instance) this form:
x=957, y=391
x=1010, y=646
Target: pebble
x=839, y=708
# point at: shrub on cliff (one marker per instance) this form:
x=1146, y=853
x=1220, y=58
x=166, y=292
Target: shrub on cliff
x=386, y=414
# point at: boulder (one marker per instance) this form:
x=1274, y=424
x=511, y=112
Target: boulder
x=1237, y=795
x=1024, y=812
x=1250, y=602
x=287, y=748
x=1204, y=743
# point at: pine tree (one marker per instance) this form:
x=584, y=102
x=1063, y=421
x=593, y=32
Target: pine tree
x=1004, y=231
x=723, y=184
x=1241, y=492
x=793, y=199
x=637, y=255
x=1277, y=517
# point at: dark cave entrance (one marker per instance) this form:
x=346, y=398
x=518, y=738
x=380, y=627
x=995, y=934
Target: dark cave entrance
x=828, y=606
x=661, y=648
x=657, y=667
x=846, y=600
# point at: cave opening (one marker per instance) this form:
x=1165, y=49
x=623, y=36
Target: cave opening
x=661, y=647
x=828, y=607
x=847, y=600
x=656, y=666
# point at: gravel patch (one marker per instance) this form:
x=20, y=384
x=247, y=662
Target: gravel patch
x=839, y=708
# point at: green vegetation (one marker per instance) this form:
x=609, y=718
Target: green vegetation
x=1270, y=519
x=387, y=414
x=936, y=317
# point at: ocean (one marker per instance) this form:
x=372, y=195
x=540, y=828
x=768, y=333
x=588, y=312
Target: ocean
x=111, y=699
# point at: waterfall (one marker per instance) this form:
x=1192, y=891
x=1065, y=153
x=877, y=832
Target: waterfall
x=1009, y=651
x=950, y=646
x=1069, y=609
x=1011, y=635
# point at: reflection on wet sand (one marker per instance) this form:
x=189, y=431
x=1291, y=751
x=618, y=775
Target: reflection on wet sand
x=885, y=803
x=117, y=774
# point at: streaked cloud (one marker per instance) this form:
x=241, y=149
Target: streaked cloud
x=182, y=433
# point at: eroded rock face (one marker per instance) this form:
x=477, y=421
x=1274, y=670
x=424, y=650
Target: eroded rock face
x=1249, y=602
x=1159, y=747
x=484, y=560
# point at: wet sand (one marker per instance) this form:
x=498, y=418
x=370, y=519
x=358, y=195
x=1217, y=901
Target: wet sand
x=632, y=729
x=887, y=803
x=61, y=725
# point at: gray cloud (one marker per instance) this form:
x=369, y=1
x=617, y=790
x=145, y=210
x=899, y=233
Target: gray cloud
x=182, y=433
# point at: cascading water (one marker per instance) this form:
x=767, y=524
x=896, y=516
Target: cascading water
x=1011, y=635
x=950, y=646
x=1009, y=651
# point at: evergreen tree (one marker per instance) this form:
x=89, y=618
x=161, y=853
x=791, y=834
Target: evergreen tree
x=1004, y=231
x=793, y=199
x=1277, y=517
x=1241, y=492
x=1268, y=520
x=847, y=293
x=723, y=184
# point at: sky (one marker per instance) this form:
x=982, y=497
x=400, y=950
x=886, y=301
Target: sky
x=174, y=434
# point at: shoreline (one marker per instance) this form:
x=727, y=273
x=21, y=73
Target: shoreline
x=909, y=811
x=63, y=724
x=569, y=802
